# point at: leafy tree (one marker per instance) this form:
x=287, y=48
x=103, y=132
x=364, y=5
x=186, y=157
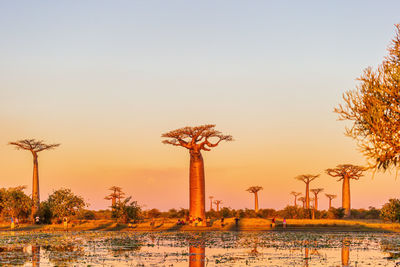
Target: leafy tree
x=15, y=203
x=391, y=210
x=126, y=210
x=374, y=109
x=64, y=203
x=153, y=213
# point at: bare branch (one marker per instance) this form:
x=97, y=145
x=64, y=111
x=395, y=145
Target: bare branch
x=33, y=145
x=346, y=170
x=254, y=189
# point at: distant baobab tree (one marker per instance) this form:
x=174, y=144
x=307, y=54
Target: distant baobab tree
x=295, y=194
x=34, y=146
x=316, y=191
x=307, y=178
x=254, y=190
x=217, y=202
x=114, y=195
x=303, y=200
x=195, y=139
x=346, y=172
x=211, y=202
x=330, y=197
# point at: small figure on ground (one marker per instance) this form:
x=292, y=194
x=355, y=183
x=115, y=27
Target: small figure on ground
x=273, y=223
x=16, y=222
x=208, y=221
x=37, y=219
x=65, y=220
x=284, y=222
x=12, y=223
x=222, y=222
x=237, y=222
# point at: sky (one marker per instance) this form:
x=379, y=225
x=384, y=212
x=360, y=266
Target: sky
x=107, y=78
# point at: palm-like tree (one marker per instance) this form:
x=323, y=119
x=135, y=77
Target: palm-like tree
x=316, y=191
x=34, y=146
x=196, y=139
x=346, y=172
x=295, y=194
x=330, y=197
x=254, y=190
x=211, y=202
x=217, y=202
x=307, y=179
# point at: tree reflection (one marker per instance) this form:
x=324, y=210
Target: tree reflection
x=14, y=255
x=64, y=254
x=345, y=252
x=35, y=256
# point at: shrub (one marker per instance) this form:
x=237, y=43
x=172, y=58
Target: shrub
x=391, y=210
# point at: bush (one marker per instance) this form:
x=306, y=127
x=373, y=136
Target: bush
x=391, y=210
x=86, y=215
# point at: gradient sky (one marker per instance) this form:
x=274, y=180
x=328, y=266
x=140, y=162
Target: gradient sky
x=107, y=78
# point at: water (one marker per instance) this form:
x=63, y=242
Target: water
x=198, y=249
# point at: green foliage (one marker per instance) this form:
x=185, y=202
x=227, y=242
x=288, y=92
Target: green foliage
x=15, y=203
x=153, y=213
x=86, y=215
x=391, y=210
x=336, y=213
x=64, y=203
x=126, y=210
x=45, y=213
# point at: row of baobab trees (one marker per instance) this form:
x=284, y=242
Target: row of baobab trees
x=344, y=173
x=197, y=139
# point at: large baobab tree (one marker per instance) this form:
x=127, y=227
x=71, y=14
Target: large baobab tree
x=211, y=202
x=254, y=190
x=217, y=203
x=295, y=194
x=316, y=191
x=196, y=139
x=346, y=172
x=303, y=200
x=373, y=108
x=330, y=197
x=307, y=179
x=116, y=193
x=34, y=146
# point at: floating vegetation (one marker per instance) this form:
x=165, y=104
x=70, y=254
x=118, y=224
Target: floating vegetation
x=198, y=249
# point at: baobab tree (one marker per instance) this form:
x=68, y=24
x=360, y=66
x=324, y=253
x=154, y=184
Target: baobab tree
x=254, y=190
x=316, y=191
x=211, y=201
x=330, y=197
x=307, y=179
x=34, y=146
x=303, y=200
x=295, y=194
x=217, y=202
x=196, y=139
x=116, y=193
x=346, y=172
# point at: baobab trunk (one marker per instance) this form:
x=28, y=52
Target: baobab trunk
x=346, y=196
x=256, y=201
x=197, y=186
x=330, y=203
x=35, y=186
x=316, y=203
x=307, y=196
x=295, y=201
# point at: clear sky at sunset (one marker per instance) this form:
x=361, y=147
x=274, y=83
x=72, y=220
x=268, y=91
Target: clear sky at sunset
x=107, y=78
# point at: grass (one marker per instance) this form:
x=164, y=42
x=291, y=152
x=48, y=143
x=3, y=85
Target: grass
x=245, y=224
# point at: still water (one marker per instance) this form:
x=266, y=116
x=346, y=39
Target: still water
x=199, y=249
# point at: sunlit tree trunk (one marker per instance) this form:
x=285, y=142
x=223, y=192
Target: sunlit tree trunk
x=197, y=186
x=316, y=203
x=330, y=203
x=35, y=186
x=346, y=195
x=197, y=256
x=307, y=195
x=295, y=201
x=256, y=201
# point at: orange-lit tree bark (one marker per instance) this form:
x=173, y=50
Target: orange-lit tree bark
x=373, y=108
x=345, y=253
x=217, y=203
x=303, y=200
x=295, y=194
x=254, y=190
x=316, y=191
x=211, y=202
x=330, y=197
x=34, y=146
x=346, y=172
x=196, y=139
x=307, y=179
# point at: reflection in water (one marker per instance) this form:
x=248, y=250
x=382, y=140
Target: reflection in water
x=306, y=256
x=345, y=252
x=64, y=254
x=14, y=255
x=35, y=255
x=197, y=255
